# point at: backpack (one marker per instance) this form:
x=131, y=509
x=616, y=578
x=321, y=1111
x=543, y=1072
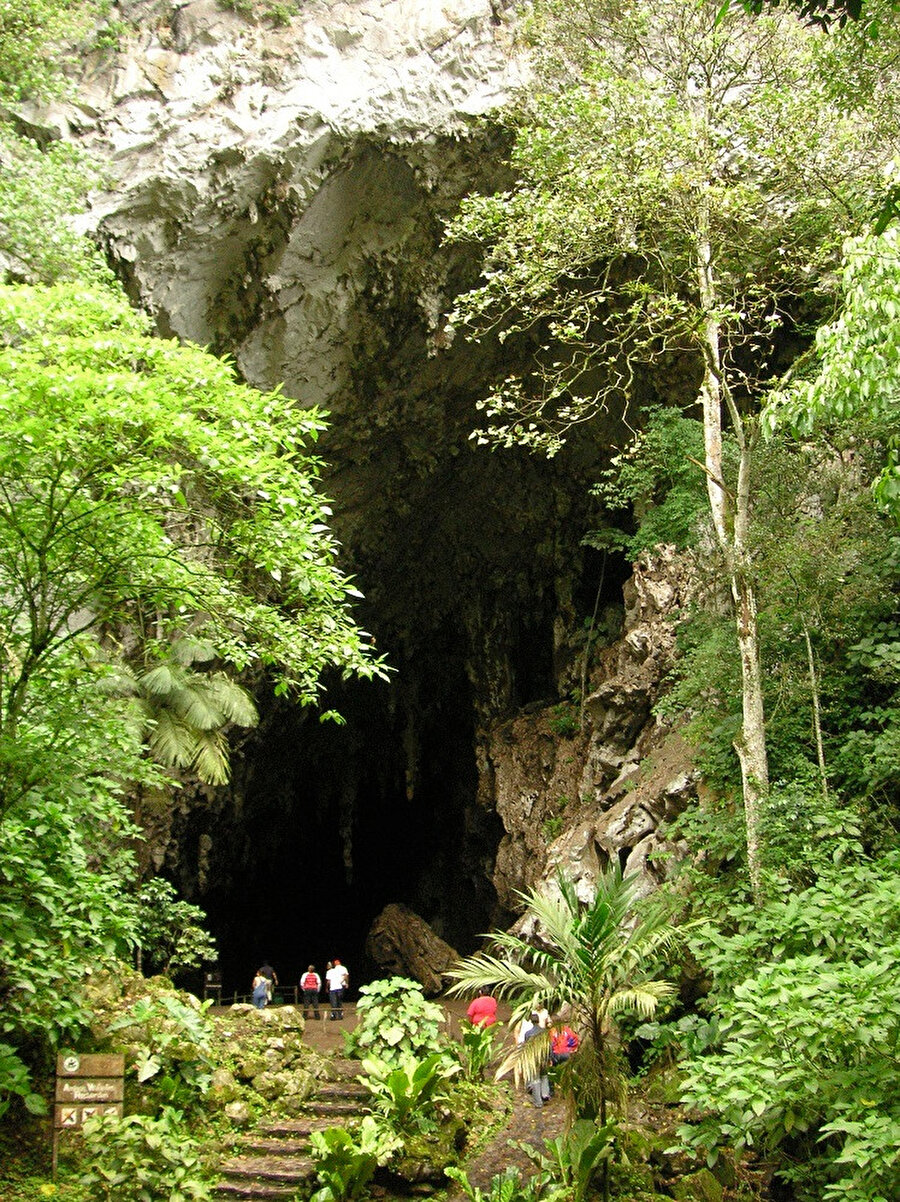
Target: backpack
x=309, y=981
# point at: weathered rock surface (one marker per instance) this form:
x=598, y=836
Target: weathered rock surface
x=403, y=945
x=598, y=795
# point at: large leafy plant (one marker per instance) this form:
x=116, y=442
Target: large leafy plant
x=573, y=1159
x=406, y=1095
x=395, y=1021
x=147, y=475
x=476, y=1049
x=139, y=1159
x=510, y=1186
x=64, y=853
x=806, y=1057
x=346, y=1160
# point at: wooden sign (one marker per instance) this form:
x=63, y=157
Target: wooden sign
x=75, y=1065
x=70, y=1117
x=86, y=1086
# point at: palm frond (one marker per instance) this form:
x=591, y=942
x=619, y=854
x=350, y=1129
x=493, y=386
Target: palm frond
x=191, y=650
x=235, y=702
x=527, y=1060
x=484, y=971
x=210, y=760
x=171, y=742
x=639, y=999
x=198, y=706
x=161, y=681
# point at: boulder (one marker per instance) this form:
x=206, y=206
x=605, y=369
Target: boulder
x=404, y=945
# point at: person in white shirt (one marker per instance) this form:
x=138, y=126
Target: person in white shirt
x=337, y=978
x=543, y=1020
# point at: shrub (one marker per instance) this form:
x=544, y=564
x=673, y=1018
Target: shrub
x=395, y=1021
x=138, y=1158
x=509, y=1186
x=15, y=1081
x=405, y=1095
x=170, y=1045
x=345, y=1165
x=476, y=1050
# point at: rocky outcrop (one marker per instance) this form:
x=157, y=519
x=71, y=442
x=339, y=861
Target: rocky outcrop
x=578, y=787
x=404, y=945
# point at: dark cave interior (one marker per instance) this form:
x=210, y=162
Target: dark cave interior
x=324, y=825
x=327, y=824
x=338, y=821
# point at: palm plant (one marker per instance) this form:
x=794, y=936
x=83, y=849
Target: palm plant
x=591, y=959
x=183, y=712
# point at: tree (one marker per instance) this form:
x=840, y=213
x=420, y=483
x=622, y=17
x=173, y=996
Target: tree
x=143, y=489
x=170, y=932
x=855, y=372
x=683, y=180
x=592, y=959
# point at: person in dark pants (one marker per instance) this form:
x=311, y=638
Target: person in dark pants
x=337, y=978
x=311, y=985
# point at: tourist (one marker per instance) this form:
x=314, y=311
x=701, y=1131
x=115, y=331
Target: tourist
x=311, y=985
x=563, y=1041
x=271, y=976
x=538, y=1084
x=337, y=978
x=482, y=1012
x=260, y=990
x=543, y=1020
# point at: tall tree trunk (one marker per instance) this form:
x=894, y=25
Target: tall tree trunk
x=731, y=520
x=817, y=710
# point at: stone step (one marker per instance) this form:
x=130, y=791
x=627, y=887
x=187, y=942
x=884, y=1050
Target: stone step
x=274, y=1170
x=293, y=1128
x=341, y=1090
x=335, y=1109
x=253, y=1191
x=261, y=1145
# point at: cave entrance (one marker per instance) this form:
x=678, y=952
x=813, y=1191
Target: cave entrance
x=327, y=824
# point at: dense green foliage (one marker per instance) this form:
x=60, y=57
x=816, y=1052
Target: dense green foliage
x=170, y=932
x=162, y=536
x=395, y=1021
x=591, y=961
x=140, y=1157
x=691, y=197
x=405, y=1094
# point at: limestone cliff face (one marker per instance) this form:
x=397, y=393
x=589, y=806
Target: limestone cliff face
x=279, y=194
x=580, y=787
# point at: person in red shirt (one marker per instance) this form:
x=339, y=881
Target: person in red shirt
x=563, y=1042
x=483, y=1011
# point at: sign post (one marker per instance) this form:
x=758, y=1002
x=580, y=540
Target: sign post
x=85, y=1086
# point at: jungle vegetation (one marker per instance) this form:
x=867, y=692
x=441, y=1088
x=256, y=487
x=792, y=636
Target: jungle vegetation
x=701, y=185
x=701, y=188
